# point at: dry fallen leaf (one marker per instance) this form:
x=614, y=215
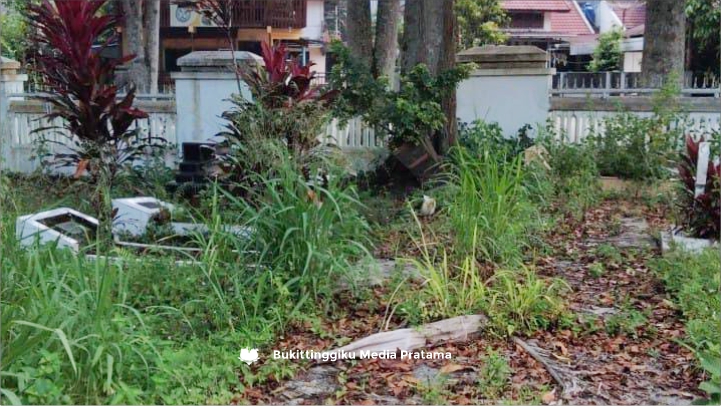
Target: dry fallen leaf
x=451, y=368
x=81, y=168
x=549, y=397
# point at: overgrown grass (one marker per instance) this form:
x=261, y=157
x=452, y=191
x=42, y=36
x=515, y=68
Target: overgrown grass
x=152, y=330
x=69, y=331
x=516, y=300
x=573, y=177
x=490, y=211
x=695, y=284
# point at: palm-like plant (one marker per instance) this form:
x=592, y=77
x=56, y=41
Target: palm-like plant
x=286, y=109
x=700, y=214
x=72, y=35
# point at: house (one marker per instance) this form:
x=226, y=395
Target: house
x=297, y=23
x=607, y=15
x=547, y=24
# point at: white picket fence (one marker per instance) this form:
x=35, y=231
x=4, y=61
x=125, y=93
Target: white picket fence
x=576, y=125
x=571, y=118
x=20, y=141
x=20, y=145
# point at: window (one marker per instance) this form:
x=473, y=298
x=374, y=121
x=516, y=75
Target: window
x=527, y=20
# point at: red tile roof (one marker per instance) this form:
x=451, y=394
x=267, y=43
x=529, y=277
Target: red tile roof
x=631, y=13
x=571, y=22
x=536, y=5
x=566, y=19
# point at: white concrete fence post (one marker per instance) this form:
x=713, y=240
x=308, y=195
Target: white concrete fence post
x=203, y=89
x=11, y=82
x=511, y=86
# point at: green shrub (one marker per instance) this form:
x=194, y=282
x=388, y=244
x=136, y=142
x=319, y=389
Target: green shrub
x=479, y=137
x=633, y=147
x=410, y=115
x=608, y=54
x=574, y=175
x=695, y=283
x=641, y=148
x=711, y=364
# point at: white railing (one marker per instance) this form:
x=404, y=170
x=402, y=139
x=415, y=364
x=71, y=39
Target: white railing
x=354, y=135
x=20, y=143
x=575, y=126
x=605, y=84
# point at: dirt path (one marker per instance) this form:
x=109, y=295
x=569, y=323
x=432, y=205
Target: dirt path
x=627, y=350
x=622, y=344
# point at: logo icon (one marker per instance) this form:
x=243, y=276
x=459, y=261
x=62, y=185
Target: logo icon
x=248, y=356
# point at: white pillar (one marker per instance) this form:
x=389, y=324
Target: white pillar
x=511, y=86
x=203, y=90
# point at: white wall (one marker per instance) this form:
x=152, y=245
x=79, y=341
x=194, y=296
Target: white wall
x=315, y=17
x=546, y=21
x=318, y=57
x=511, y=97
x=632, y=61
x=606, y=18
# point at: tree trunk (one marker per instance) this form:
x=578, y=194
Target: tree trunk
x=448, y=61
x=429, y=38
x=664, y=47
x=151, y=22
x=134, y=34
x=386, y=48
x=360, y=38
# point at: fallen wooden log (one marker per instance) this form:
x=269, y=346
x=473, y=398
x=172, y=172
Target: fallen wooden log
x=408, y=339
x=566, y=379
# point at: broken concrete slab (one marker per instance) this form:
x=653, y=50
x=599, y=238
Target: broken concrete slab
x=634, y=234
x=675, y=238
x=135, y=213
x=67, y=227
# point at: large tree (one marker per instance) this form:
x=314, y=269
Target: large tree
x=385, y=51
x=142, y=27
x=358, y=26
x=378, y=52
x=430, y=38
x=704, y=35
x=664, y=42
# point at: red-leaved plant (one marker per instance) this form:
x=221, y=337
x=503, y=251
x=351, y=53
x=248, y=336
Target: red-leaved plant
x=700, y=214
x=286, y=108
x=283, y=82
x=72, y=34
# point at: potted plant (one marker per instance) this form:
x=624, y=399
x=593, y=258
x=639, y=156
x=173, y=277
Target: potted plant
x=410, y=117
x=414, y=115
x=699, y=201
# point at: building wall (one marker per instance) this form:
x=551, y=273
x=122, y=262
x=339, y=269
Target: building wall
x=313, y=31
x=315, y=17
x=546, y=21
x=632, y=61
